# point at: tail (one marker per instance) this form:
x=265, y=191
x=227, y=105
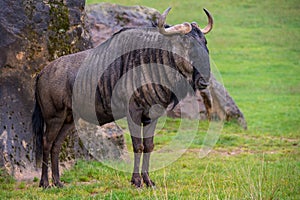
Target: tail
x=38, y=129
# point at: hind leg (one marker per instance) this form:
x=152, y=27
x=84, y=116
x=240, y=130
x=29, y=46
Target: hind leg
x=53, y=126
x=67, y=127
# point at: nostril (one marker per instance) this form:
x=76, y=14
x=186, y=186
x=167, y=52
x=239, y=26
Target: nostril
x=202, y=85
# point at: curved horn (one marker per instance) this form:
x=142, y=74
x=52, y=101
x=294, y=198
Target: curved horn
x=162, y=18
x=179, y=28
x=209, y=26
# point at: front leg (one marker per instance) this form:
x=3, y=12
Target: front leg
x=134, y=125
x=148, y=135
x=137, y=149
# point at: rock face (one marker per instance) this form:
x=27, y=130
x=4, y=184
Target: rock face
x=214, y=103
x=33, y=33
x=103, y=142
x=220, y=105
x=104, y=19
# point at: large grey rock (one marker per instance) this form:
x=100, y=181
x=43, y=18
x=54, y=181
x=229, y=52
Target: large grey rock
x=103, y=142
x=214, y=103
x=33, y=33
x=105, y=19
x=220, y=105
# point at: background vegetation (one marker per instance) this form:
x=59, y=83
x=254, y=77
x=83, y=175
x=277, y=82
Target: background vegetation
x=256, y=47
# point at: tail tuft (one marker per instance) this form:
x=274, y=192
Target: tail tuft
x=38, y=130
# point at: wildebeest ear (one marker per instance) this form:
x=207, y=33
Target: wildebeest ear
x=195, y=24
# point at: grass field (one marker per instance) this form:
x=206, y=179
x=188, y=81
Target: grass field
x=256, y=47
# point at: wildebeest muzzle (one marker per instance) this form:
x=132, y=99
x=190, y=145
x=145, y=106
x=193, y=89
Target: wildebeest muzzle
x=199, y=81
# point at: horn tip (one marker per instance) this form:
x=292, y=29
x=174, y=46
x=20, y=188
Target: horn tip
x=165, y=13
x=205, y=10
x=168, y=9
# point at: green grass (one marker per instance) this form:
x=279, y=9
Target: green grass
x=256, y=47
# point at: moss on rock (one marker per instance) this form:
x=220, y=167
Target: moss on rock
x=59, y=41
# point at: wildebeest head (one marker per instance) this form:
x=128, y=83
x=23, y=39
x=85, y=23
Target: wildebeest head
x=192, y=47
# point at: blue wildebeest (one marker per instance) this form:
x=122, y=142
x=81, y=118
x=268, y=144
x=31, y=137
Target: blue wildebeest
x=181, y=47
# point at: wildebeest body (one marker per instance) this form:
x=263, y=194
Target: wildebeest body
x=123, y=77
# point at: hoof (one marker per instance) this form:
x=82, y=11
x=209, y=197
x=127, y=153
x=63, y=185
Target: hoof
x=59, y=184
x=44, y=185
x=147, y=180
x=136, y=180
x=150, y=184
